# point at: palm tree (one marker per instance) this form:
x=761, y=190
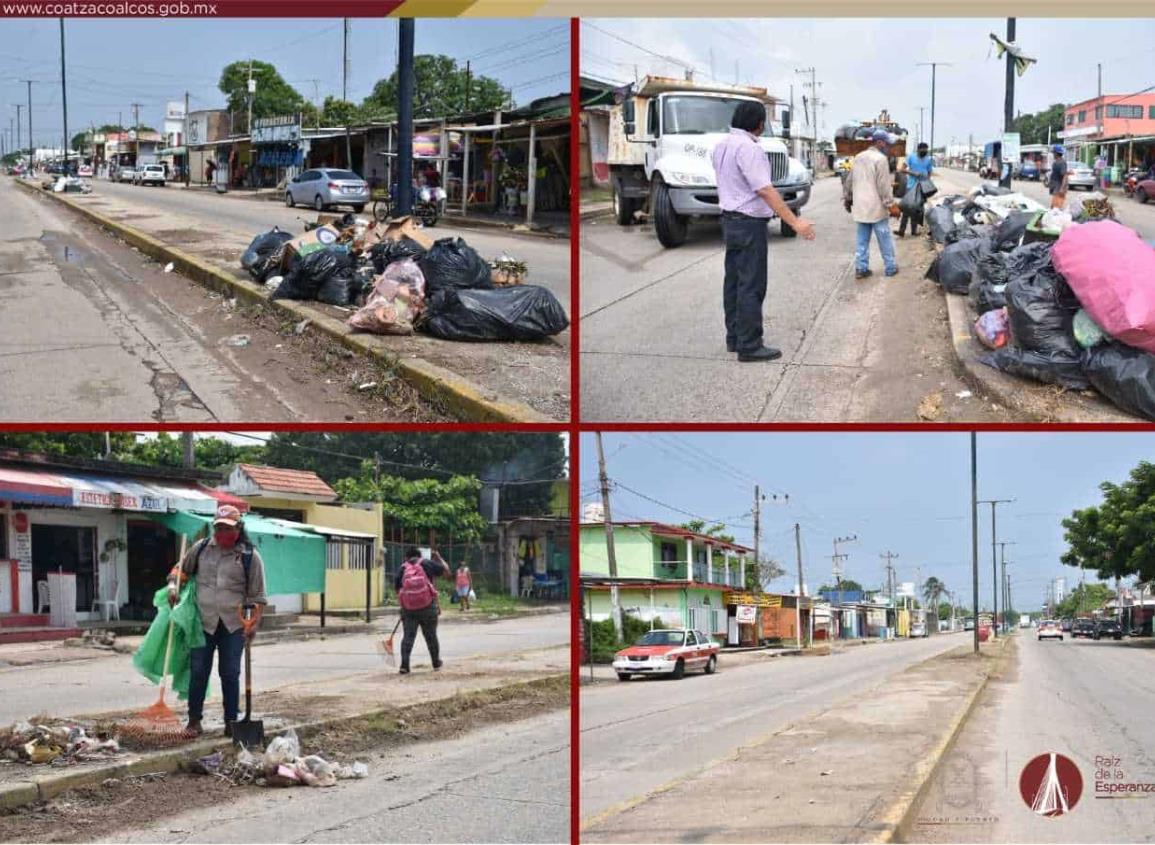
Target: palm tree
x=932, y=591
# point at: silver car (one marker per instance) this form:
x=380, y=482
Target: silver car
x=325, y=187
x=1080, y=175
x=126, y=173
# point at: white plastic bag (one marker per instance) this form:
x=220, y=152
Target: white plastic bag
x=282, y=751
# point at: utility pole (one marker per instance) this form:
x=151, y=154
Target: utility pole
x=345, y=97
x=813, y=85
x=975, y=534
x=921, y=130
x=31, y=144
x=1100, y=109
x=1008, y=104
x=188, y=449
x=994, y=503
x=468, y=84
x=184, y=143
x=19, y=144
x=405, y=117
x=64, y=96
x=615, y=604
x=934, y=66
x=889, y=557
x=1003, y=561
x=793, y=146
x=757, y=532
x=801, y=588
x=837, y=558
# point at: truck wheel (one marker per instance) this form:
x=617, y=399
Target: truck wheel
x=788, y=231
x=624, y=208
x=670, y=226
x=1141, y=195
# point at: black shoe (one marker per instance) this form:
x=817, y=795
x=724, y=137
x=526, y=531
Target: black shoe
x=762, y=353
x=862, y=274
x=901, y=233
x=404, y=670
x=437, y=664
x=731, y=348
x=228, y=730
x=193, y=728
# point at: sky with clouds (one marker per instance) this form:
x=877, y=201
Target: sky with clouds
x=908, y=493
x=114, y=63
x=864, y=65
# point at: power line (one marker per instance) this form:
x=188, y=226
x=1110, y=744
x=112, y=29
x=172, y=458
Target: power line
x=637, y=46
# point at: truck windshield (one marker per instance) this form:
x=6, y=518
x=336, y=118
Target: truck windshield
x=699, y=115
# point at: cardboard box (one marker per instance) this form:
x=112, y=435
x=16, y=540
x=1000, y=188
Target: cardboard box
x=319, y=238
x=404, y=227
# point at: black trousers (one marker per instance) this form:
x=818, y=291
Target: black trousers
x=915, y=221
x=426, y=620
x=744, y=289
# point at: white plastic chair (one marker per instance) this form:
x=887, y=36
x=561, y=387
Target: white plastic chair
x=42, y=597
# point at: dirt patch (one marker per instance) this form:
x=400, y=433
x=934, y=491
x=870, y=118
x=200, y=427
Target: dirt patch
x=84, y=815
x=183, y=236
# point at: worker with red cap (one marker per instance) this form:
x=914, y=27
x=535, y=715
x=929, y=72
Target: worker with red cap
x=230, y=576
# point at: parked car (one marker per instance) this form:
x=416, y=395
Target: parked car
x=1083, y=628
x=968, y=624
x=325, y=187
x=1080, y=175
x=667, y=651
x=126, y=173
x=84, y=170
x=1049, y=629
x=918, y=629
x=1066, y=623
x=1029, y=170
x=149, y=174
x=1108, y=628
x=1144, y=190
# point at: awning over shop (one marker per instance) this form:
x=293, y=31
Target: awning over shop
x=34, y=488
x=294, y=556
x=172, y=151
x=89, y=490
x=223, y=498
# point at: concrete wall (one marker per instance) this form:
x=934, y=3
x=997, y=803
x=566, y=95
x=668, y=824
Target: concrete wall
x=633, y=548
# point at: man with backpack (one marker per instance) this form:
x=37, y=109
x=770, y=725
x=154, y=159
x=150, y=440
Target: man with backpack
x=418, y=599
x=230, y=576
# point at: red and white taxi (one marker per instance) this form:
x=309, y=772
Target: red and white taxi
x=667, y=652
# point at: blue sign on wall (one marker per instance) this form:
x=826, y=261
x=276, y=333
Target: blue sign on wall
x=281, y=157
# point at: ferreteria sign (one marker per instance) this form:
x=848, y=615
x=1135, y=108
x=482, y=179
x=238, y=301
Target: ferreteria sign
x=113, y=500
x=272, y=130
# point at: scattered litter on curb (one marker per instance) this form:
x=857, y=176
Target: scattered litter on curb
x=168, y=268
x=239, y=340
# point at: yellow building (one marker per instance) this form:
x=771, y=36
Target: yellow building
x=354, y=574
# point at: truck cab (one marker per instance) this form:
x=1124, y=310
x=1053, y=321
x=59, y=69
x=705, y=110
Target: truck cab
x=662, y=138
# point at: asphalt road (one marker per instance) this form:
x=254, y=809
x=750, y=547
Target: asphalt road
x=111, y=683
x=508, y=783
x=1079, y=698
x=90, y=331
x=638, y=736
x=1128, y=211
x=653, y=343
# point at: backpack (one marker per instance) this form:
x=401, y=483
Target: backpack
x=417, y=591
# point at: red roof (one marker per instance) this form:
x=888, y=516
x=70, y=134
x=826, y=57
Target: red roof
x=226, y=498
x=289, y=481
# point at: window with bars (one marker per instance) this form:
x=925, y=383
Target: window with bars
x=360, y=556
x=333, y=555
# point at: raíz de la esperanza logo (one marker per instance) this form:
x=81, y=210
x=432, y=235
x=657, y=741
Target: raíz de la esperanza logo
x=1051, y=784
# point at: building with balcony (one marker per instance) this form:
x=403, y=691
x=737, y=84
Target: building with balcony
x=1121, y=127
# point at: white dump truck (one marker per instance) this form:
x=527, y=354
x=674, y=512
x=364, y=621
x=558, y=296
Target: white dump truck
x=661, y=142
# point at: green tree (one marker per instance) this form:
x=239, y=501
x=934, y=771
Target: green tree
x=88, y=445
x=1085, y=598
x=338, y=112
x=847, y=585
x=1032, y=128
x=439, y=90
x=167, y=450
x=1114, y=538
x=932, y=591
x=944, y=610
x=274, y=96
x=432, y=510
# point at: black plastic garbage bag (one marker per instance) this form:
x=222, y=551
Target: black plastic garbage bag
x=1050, y=368
x=452, y=263
x=912, y=201
x=993, y=189
x=341, y=287
x=1040, y=306
x=989, y=282
x=308, y=274
x=973, y=214
x=929, y=188
x=258, y=258
x=518, y=312
x=386, y=252
x=1124, y=375
x=962, y=233
x=955, y=265
x=940, y=219
x=1010, y=230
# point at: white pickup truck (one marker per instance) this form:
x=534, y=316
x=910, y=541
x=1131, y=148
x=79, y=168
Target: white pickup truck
x=661, y=142
x=149, y=174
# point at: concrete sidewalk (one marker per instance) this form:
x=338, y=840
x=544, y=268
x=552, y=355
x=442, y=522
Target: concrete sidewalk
x=849, y=774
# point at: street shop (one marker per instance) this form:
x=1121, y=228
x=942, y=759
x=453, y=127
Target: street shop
x=754, y=619
x=1061, y=296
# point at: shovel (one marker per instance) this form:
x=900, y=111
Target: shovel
x=248, y=733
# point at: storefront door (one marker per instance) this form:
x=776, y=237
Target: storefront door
x=66, y=548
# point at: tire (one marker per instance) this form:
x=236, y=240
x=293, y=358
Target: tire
x=357, y=209
x=670, y=226
x=623, y=676
x=427, y=215
x=318, y=203
x=289, y=201
x=1141, y=195
x=787, y=231
x=679, y=670
x=624, y=208
x=712, y=664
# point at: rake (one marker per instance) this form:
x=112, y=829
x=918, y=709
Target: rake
x=387, y=645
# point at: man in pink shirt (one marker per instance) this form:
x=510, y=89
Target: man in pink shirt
x=748, y=200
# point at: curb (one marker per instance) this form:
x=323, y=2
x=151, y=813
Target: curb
x=898, y=819
x=45, y=787
x=1010, y=390
x=597, y=213
x=461, y=397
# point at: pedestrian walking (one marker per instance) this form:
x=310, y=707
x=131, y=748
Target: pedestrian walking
x=419, y=607
x=230, y=576
x=868, y=195
x=918, y=165
x=1057, y=183
x=464, y=584
x=210, y=171
x=748, y=201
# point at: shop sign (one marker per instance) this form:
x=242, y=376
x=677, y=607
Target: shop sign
x=118, y=501
x=1011, y=146
x=174, y=110
x=22, y=542
x=281, y=157
x=746, y=614
x=271, y=130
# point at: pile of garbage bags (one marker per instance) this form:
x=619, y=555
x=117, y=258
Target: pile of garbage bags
x=281, y=764
x=56, y=745
x=398, y=282
x=1078, y=312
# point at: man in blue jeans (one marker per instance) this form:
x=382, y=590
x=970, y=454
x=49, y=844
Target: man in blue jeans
x=230, y=574
x=868, y=194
